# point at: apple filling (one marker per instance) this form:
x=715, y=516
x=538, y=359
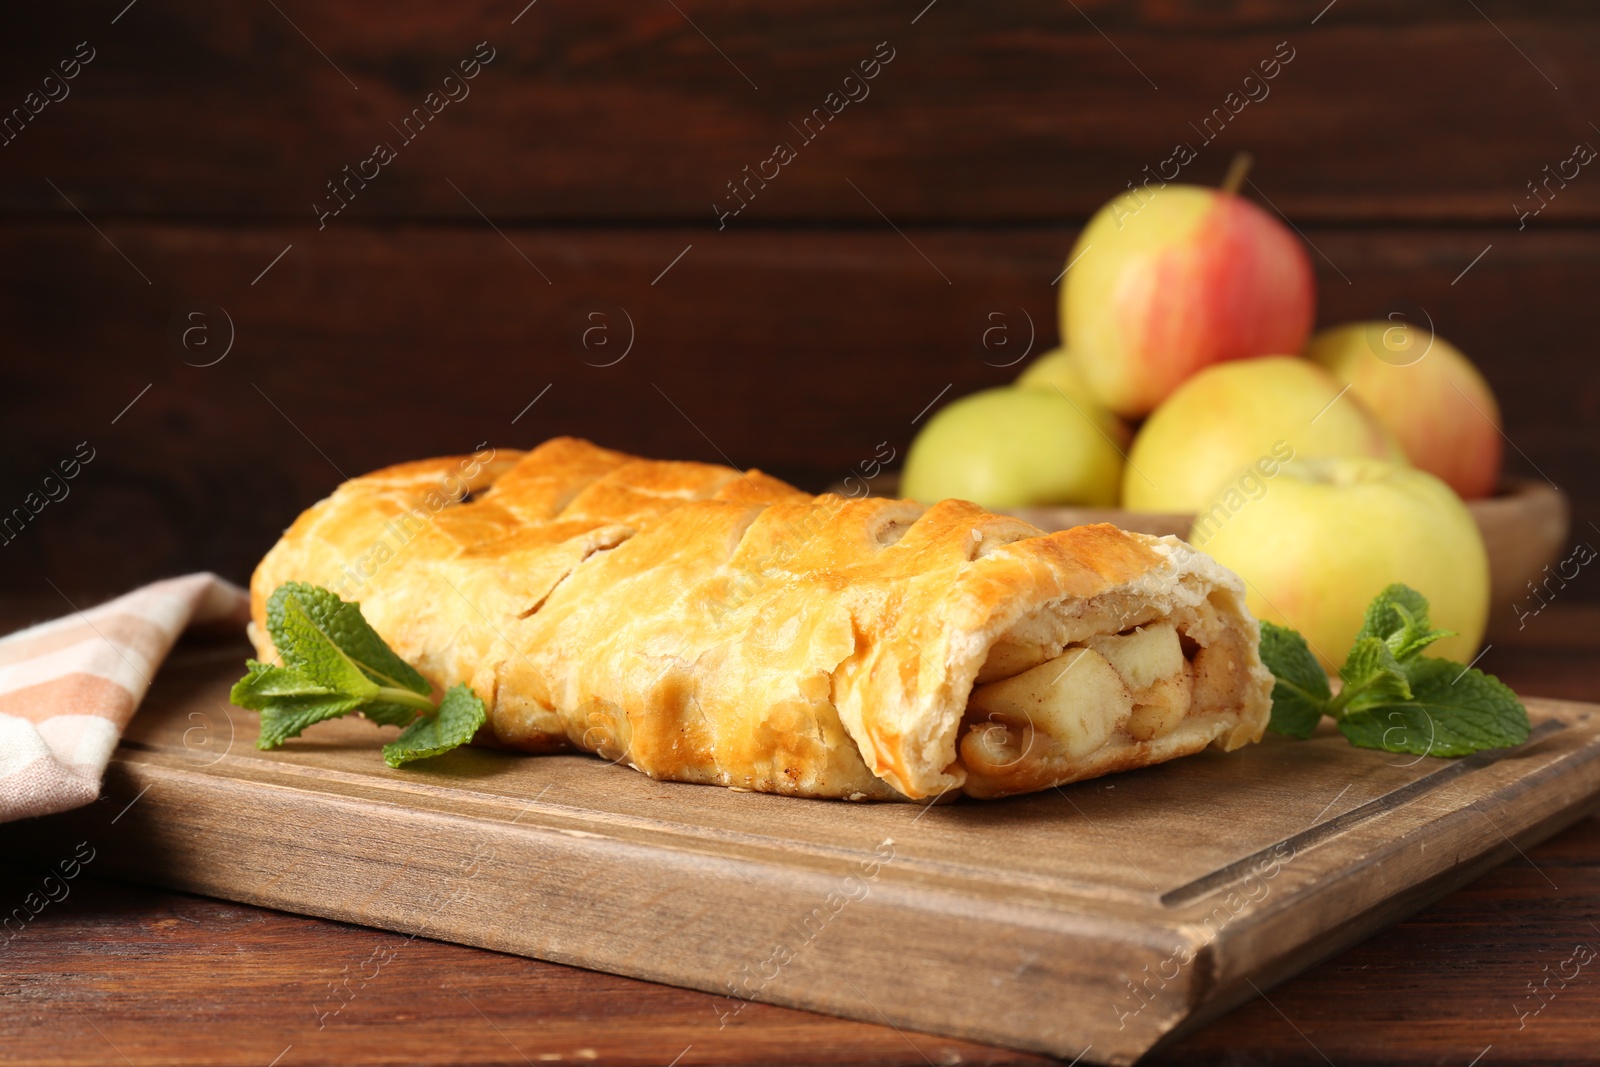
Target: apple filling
x=1123, y=691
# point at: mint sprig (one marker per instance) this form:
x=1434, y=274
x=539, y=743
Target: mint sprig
x=1393, y=698
x=460, y=715
x=334, y=664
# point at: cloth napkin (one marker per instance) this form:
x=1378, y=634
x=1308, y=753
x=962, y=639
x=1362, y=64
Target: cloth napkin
x=69, y=687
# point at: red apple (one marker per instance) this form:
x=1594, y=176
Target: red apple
x=1426, y=393
x=1166, y=281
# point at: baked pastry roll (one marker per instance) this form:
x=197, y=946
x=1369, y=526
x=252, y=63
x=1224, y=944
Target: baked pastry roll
x=706, y=625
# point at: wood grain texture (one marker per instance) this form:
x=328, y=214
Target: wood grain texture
x=1446, y=986
x=165, y=978
x=609, y=110
x=169, y=978
x=797, y=352
x=1010, y=921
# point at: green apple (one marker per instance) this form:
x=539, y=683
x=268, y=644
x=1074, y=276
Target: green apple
x=1425, y=392
x=1010, y=447
x=1324, y=536
x=1058, y=370
x=1230, y=416
x=1166, y=281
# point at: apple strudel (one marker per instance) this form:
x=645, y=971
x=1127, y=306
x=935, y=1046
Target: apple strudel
x=707, y=625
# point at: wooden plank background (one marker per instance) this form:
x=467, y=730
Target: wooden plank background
x=579, y=177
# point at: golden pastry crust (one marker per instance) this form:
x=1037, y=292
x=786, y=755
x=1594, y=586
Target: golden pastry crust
x=705, y=625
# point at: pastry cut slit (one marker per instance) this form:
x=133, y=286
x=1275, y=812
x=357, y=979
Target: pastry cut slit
x=594, y=550
x=891, y=533
x=984, y=542
x=574, y=489
x=741, y=531
x=891, y=524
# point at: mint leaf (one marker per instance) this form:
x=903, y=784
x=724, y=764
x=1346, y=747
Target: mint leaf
x=308, y=649
x=386, y=714
x=1453, y=711
x=341, y=623
x=1392, y=728
x=1414, y=636
x=265, y=683
x=290, y=701
x=288, y=717
x=1372, y=676
x=335, y=664
x=460, y=715
x=1398, y=616
x=1300, y=693
x=1381, y=619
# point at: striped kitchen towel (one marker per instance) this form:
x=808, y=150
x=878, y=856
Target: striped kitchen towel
x=68, y=687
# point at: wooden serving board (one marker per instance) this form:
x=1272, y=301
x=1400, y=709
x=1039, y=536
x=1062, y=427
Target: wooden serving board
x=1094, y=920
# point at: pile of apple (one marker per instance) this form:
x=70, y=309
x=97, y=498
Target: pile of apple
x=1320, y=469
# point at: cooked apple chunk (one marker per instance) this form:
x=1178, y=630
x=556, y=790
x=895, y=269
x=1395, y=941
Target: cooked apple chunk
x=1144, y=657
x=1159, y=708
x=996, y=746
x=1074, y=702
x=1218, y=680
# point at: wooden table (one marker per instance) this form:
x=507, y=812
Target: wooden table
x=117, y=973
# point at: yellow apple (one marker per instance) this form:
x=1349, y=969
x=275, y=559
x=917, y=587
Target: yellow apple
x=1010, y=447
x=1426, y=392
x=1166, y=281
x=1230, y=416
x=1057, y=369
x=1325, y=536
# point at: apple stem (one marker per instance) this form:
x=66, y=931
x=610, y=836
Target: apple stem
x=1236, y=173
